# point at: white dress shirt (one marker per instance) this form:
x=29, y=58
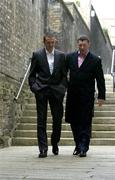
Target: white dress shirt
x=50, y=58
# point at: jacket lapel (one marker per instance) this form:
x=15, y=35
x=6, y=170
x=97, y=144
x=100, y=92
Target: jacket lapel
x=75, y=60
x=45, y=61
x=56, y=59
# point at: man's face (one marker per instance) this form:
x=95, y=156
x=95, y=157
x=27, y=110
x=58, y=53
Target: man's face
x=49, y=43
x=83, y=47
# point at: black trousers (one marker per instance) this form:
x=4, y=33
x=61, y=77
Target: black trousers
x=81, y=129
x=56, y=106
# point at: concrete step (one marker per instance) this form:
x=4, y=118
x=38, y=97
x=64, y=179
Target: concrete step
x=100, y=112
x=109, y=96
x=108, y=76
x=64, y=141
x=106, y=107
x=97, y=120
x=65, y=126
x=103, y=127
x=109, y=83
x=104, y=113
x=65, y=134
x=32, y=107
x=109, y=100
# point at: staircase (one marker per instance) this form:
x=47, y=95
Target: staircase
x=103, y=128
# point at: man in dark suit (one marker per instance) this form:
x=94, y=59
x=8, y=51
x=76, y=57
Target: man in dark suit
x=47, y=79
x=84, y=68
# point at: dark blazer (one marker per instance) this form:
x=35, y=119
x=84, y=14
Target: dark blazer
x=83, y=78
x=81, y=83
x=40, y=77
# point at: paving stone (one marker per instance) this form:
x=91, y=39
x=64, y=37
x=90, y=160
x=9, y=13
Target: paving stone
x=23, y=163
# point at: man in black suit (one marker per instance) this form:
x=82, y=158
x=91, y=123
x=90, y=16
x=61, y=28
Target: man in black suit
x=47, y=79
x=84, y=68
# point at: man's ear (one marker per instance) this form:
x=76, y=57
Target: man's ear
x=56, y=41
x=89, y=44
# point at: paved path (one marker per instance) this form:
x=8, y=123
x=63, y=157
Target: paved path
x=22, y=163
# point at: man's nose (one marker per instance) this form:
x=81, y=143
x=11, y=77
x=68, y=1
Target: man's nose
x=82, y=47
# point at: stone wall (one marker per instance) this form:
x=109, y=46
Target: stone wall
x=22, y=25
x=65, y=21
x=60, y=22
x=100, y=42
x=79, y=25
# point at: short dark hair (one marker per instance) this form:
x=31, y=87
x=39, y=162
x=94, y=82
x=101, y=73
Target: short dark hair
x=48, y=34
x=83, y=37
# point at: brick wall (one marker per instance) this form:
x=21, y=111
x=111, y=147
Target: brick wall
x=22, y=25
x=60, y=22
x=65, y=21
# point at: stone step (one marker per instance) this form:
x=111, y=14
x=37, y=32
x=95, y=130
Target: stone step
x=104, y=113
x=65, y=134
x=108, y=107
x=103, y=127
x=108, y=94
x=109, y=82
x=97, y=120
x=109, y=87
x=98, y=113
x=64, y=141
x=108, y=76
x=65, y=126
x=104, y=107
x=109, y=100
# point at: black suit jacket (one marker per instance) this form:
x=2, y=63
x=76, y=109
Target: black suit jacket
x=83, y=78
x=81, y=87
x=40, y=77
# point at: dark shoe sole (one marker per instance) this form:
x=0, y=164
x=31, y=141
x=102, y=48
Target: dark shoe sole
x=55, y=150
x=82, y=154
x=44, y=155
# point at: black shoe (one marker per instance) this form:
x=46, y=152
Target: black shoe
x=43, y=154
x=82, y=154
x=76, y=152
x=55, y=150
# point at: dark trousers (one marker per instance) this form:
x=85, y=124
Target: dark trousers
x=82, y=133
x=56, y=106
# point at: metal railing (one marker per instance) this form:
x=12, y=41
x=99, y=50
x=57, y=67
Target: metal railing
x=113, y=69
x=23, y=81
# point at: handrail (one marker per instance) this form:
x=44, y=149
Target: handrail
x=112, y=64
x=113, y=69
x=23, y=81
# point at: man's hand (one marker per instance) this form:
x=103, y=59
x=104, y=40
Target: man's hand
x=101, y=102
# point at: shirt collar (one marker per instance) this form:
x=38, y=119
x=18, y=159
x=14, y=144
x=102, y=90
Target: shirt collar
x=48, y=52
x=85, y=55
